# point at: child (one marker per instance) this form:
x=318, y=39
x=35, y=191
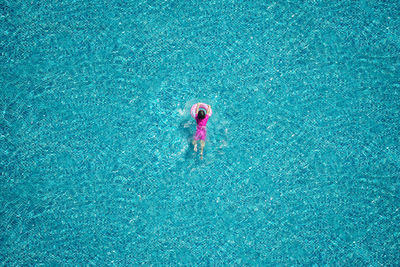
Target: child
x=201, y=131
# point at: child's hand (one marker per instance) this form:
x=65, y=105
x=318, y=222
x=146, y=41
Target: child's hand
x=197, y=108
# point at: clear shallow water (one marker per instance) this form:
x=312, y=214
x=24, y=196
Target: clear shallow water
x=302, y=162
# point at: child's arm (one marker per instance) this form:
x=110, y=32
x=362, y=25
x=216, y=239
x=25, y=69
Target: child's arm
x=208, y=109
x=197, y=108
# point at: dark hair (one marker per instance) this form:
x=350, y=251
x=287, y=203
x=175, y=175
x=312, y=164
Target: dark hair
x=201, y=115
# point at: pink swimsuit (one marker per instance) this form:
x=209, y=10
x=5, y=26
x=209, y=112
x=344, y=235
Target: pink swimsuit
x=201, y=130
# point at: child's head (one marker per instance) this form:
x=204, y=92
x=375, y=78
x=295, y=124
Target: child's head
x=201, y=115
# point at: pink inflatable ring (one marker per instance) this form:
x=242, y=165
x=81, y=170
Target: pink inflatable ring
x=203, y=106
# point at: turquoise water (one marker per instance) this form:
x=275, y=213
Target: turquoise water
x=302, y=161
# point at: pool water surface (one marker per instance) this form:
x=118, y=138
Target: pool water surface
x=302, y=157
